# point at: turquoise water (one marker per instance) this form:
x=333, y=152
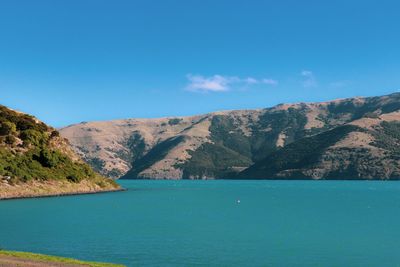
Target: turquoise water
x=201, y=223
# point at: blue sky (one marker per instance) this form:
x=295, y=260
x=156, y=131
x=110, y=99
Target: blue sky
x=81, y=60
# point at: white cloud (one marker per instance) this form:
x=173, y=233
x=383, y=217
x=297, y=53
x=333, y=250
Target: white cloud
x=215, y=83
x=219, y=83
x=309, y=79
x=270, y=81
x=251, y=80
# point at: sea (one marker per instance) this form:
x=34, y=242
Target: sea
x=214, y=223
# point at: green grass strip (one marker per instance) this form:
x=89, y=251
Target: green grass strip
x=47, y=258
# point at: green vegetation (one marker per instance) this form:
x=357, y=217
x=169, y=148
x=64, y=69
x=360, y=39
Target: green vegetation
x=278, y=143
x=213, y=160
x=41, y=164
x=157, y=153
x=337, y=110
x=388, y=137
x=369, y=108
x=30, y=150
x=232, y=150
x=174, y=121
x=54, y=259
x=393, y=105
x=226, y=134
x=371, y=115
x=301, y=154
x=97, y=164
x=7, y=128
x=290, y=122
x=136, y=145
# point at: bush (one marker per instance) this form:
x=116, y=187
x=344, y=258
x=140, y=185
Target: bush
x=174, y=121
x=73, y=178
x=54, y=134
x=48, y=158
x=7, y=128
x=10, y=139
x=33, y=137
x=371, y=115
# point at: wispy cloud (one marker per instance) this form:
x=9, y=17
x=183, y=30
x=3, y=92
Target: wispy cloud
x=251, y=80
x=270, y=81
x=214, y=83
x=309, y=79
x=219, y=83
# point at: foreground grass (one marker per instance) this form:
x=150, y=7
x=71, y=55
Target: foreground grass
x=54, y=259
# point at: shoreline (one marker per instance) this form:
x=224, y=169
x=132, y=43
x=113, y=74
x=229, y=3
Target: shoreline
x=64, y=194
x=396, y=179
x=19, y=258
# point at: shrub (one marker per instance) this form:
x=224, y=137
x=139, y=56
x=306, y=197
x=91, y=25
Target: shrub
x=73, y=178
x=54, y=134
x=7, y=128
x=48, y=158
x=10, y=139
x=174, y=121
x=371, y=115
x=33, y=137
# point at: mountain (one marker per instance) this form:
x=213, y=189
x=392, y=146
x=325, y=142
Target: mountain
x=355, y=138
x=35, y=161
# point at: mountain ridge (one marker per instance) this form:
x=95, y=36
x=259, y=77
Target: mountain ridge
x=215, y=145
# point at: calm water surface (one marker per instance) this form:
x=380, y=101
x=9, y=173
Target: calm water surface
x=201, y=223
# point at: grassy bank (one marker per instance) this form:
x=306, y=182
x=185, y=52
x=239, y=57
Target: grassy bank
x=21, y=258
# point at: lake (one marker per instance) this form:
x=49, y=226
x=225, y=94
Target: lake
x=215, y=223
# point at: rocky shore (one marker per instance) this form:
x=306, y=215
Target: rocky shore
x=36, y=189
